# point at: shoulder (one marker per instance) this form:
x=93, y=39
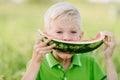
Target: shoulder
x=87, y=58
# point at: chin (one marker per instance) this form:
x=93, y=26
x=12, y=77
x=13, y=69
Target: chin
x=65, y=55
x=62, y=55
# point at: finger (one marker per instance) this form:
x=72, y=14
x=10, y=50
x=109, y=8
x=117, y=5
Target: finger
x=45, y=48
x=40, y=49
x=45, y=42
x=49, y=47
x=41, y=55
x=36, y=50
x=112, y=37
x=39, y=39
x=44, y=52
x=108, y=36
x=105, y=42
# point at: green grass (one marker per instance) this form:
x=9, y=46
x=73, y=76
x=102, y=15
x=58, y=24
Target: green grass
x=18, y=32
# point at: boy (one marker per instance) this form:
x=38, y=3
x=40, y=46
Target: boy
x=62, y=21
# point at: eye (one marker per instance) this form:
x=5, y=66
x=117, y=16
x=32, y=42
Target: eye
x=73, y=31
x=59, y=32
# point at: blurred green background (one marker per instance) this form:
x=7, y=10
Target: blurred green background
x=20, y=19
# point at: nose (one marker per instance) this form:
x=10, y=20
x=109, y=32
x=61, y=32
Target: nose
x=67, y=37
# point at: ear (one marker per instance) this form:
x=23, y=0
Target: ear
x=81, y=34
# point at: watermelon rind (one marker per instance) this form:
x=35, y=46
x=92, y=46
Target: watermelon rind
x=76, y=47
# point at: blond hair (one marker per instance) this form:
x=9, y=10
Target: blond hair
x=59, y=10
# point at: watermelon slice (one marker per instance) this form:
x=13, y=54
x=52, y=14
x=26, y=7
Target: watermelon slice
x=77, y=47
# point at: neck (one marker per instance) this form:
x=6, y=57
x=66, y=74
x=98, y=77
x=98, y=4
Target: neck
x=65, y=62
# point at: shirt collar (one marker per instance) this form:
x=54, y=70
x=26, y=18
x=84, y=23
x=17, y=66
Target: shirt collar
x=76, y=60
x=52, y=61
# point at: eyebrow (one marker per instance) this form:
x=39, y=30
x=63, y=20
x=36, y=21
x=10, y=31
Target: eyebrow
x=59, y=28
x=74, y=28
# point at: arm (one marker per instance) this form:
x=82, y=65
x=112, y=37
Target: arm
x=110, y=43
x=40, y=49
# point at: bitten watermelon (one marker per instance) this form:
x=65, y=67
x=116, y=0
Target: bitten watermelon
x=77, y=47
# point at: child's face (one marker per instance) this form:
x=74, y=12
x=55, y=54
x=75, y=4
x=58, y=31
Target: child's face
x=64, y=29
x=67, y=30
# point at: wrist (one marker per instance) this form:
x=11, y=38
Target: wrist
x=37, y=59
x=108, y=59
x=35, y=62
x=108, y=55
x=32, y=71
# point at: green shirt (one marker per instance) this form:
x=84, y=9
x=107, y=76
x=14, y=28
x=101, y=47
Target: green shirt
x=83, y=67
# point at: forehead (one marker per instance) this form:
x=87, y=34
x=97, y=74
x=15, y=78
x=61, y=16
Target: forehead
x=68, y=22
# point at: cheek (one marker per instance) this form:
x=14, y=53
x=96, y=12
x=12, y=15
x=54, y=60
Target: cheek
x=55, y=36
x=72, y=37
x=75, y=38
x=58, y=37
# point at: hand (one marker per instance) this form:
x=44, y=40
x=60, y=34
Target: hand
x=41, y=48
x=110, y=43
